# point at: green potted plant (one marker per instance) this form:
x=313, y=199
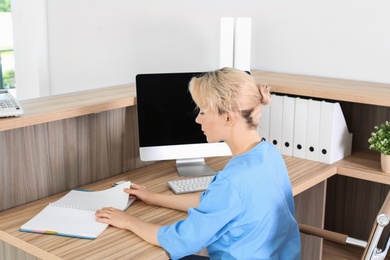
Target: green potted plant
x=380, y=141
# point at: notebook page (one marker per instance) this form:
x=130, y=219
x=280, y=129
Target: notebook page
x=93, y=200
x=65, y=222
x=74, y=214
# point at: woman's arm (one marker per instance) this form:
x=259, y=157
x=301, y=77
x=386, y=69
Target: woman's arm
x=145, y=230
x=179, y=202
x=117, y=218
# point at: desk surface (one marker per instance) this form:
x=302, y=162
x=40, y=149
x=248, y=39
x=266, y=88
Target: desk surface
x=114, y=243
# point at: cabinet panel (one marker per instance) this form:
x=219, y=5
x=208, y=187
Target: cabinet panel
x=45, y=159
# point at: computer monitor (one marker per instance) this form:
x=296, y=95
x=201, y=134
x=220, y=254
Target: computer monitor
x=167, y=127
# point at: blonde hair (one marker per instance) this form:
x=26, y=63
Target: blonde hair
x=230, y=90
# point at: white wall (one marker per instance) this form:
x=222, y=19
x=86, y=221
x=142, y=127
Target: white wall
x=6, y=39
x=98, y=43
x=30, y=48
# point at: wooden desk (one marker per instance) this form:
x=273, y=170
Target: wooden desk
x=92, y=135
x=115, y=243
x=69, y=140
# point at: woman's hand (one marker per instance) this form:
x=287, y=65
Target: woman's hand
x=113, y=217
x=141, y=192
x=122, y=220
x=178, y=202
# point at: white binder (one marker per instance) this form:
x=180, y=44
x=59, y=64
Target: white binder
x=263, y=129
x=288, y=125
x=313, y=130
x=242, y=43
x=335, y=140
x=226, y=44
x=276, y=119
x=300, y=123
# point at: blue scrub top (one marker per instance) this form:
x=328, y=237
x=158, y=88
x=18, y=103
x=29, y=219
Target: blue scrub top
x=247, y=212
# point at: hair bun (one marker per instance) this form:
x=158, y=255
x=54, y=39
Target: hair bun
x=265, y=91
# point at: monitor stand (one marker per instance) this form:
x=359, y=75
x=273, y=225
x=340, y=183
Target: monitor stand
x=193, y=167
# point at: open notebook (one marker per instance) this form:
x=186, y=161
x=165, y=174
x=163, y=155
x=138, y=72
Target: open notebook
x=74, y=214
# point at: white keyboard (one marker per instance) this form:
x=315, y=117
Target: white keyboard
x=190, y=184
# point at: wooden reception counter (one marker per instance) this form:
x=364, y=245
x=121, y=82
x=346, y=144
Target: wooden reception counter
x=89, y=140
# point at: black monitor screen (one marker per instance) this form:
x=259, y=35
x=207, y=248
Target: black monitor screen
x=166, y=111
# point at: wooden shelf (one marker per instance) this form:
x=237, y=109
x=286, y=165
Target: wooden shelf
x=360, y=165
x=57, y=107
x=326, y=88
x=364, y=166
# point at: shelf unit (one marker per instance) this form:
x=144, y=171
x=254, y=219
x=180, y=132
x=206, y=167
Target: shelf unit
x=68, y=127
x=359, y=187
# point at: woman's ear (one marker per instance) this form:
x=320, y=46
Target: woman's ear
x=229, y=118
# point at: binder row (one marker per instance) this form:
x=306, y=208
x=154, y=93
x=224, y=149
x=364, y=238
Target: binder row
x=306, y=128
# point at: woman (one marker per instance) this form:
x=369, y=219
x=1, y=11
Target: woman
x=247, y=212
